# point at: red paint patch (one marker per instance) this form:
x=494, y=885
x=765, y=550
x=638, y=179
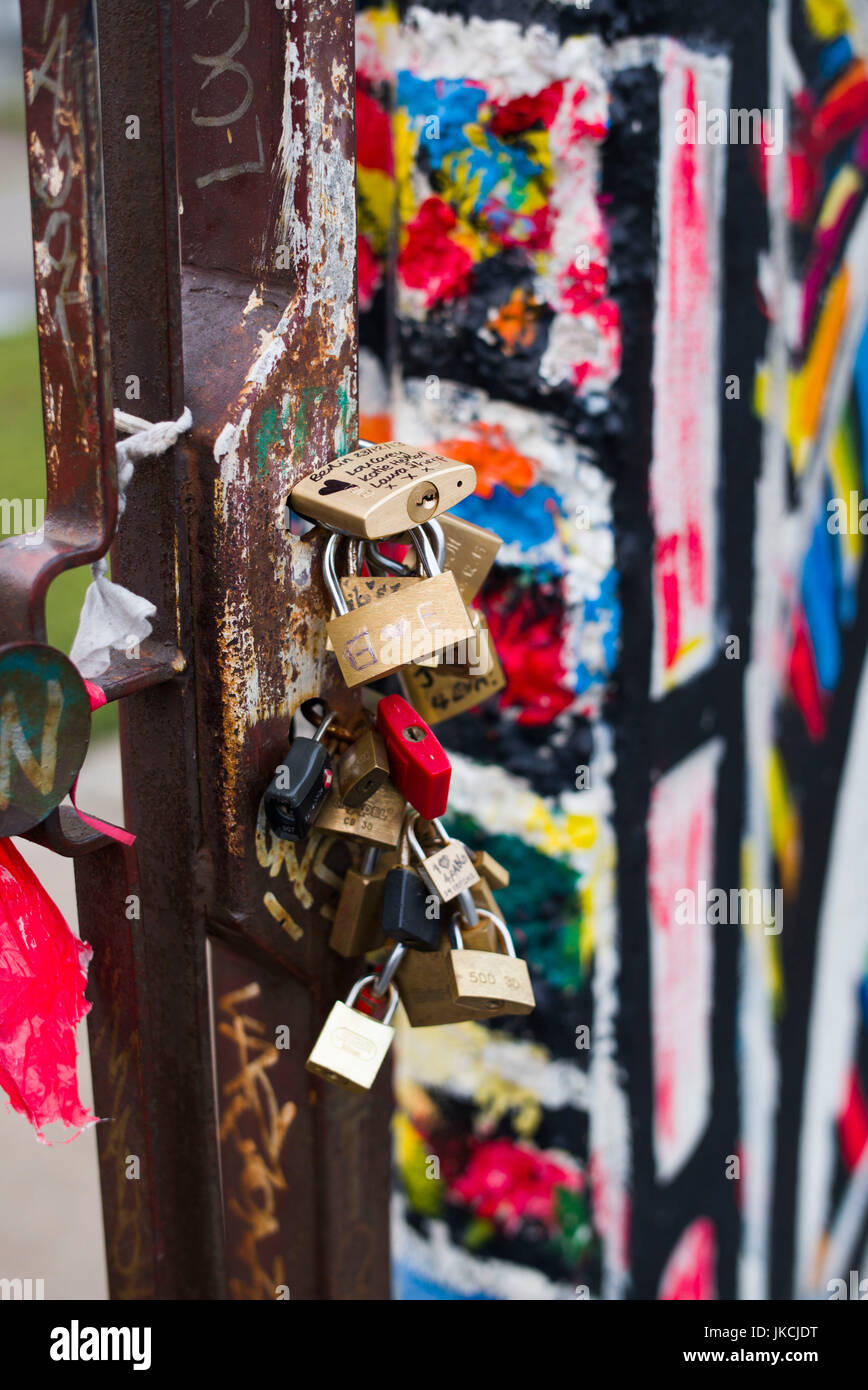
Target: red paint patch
x=430, y=260
x=804, y=681
x=511, y=1184
x=690, y=1269
x=581, y=289
x=373, y=134
x=527, y=627
x=853, y=1122
x=522, y=112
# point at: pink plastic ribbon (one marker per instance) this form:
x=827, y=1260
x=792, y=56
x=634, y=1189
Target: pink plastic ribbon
x=43, y=973
x=97, y=699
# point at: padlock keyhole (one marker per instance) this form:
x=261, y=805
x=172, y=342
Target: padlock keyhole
x=423, y=501
x=414, y=734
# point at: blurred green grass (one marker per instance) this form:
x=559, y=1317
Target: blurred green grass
x=22, y=474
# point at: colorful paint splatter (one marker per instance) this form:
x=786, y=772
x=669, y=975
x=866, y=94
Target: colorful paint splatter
x=654, y=354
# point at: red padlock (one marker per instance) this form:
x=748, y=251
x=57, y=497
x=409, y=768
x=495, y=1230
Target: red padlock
x=418, y=764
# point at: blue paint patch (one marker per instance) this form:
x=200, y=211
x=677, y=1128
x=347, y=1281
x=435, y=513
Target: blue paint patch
x=454, y=103
x=835, y=56
x=599, y=610
x=526, y=521
x=409, y=1286
x=819, y=599
x=497, y=173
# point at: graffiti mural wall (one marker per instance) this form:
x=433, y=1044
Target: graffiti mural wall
x=611, y=255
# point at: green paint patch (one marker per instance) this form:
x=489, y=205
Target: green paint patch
x=267, y=437
x=310, y=396
x=478, y=1233
x=575, y=1239
x=347, y=409
x=425, y=1195
x=542, y=900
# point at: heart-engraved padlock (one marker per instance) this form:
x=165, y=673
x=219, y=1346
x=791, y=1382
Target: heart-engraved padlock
x=352, y=1046
x=415, y=621
x=498, y=983
x=449, y=870
x=382, y=489
x=490, y=873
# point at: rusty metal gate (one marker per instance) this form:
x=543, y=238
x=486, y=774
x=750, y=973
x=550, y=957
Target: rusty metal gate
x=195, y=245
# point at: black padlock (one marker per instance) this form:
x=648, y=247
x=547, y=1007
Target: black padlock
x=406, y=898
x=299, y=785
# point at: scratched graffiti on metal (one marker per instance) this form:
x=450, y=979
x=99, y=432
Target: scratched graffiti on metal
x=257, y=1125
x=126, y=1235
x=224, y=66
x=300, y=861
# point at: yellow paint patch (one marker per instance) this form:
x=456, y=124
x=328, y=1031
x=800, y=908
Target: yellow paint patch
x=845, y=183
x=376, y=200
x=845, y=483
x=784, y=823
x=406, y=143
x=828, y=18
x=807, y=395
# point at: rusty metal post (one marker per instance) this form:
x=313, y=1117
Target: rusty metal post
x=266, y=150
x=228, y=152
x=255, y=330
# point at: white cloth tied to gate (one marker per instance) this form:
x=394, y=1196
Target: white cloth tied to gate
x=112, y=617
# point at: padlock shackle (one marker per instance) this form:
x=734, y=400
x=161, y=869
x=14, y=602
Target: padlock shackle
x=359, y=986
x=384, y=564
x=355, y=552
x=323, y=725
x=426, y=552
x=369, y=859
x=387, y=974
x=499, y=926
x=467, y=907
x=409, y=835
x=378, y=563
x=330, y=575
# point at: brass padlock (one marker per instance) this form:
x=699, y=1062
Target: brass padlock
x=381, y=490
x=440, y=693
x=470, y=553
x=490, y=869
x=424, y=979
x=488, y=979
x=416, y=621
x=362, y=768
x=474, y=656
x=449, y=870
x=352, y=1046
x=377, y=821
x=484, y=898
x=358, y=922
